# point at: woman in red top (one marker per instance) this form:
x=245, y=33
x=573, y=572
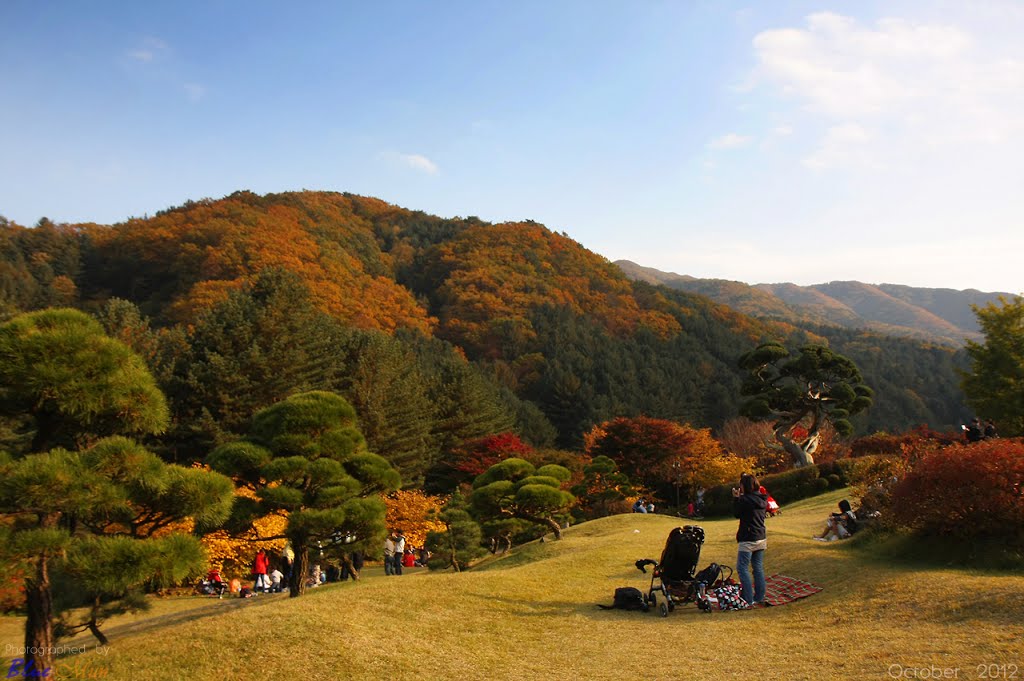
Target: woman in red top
x=260, y=568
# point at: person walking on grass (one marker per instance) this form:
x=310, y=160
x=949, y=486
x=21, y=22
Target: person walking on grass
x=399, y=552
x=750, y=505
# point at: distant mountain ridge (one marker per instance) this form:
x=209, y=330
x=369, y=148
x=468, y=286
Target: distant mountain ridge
x=930, y=314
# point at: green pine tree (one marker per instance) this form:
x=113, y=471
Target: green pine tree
x=306, y=456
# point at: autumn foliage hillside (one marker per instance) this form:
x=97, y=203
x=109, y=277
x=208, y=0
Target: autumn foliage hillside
x=183, y=260
x=556, y=324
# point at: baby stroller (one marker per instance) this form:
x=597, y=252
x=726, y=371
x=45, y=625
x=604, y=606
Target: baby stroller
x=773, y=506
x=675, y=575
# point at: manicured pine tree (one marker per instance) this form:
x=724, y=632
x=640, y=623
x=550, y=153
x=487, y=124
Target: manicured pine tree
x=802, y=393
x=73, y=384
x=602, y=485
x=460, y=542
x=513, y=488
x=305, y=456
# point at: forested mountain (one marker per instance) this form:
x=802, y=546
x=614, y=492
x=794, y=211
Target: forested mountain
x=940, y=315
x=439, y=331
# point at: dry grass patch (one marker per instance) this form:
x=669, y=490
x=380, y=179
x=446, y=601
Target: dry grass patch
x=532, y=615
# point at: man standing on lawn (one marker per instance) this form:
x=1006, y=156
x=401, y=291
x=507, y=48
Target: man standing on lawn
x=399, y=551
x=389, y=554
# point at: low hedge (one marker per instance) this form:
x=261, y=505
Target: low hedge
x=786, y=487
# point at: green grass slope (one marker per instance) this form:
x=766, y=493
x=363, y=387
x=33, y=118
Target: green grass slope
x=532, y=615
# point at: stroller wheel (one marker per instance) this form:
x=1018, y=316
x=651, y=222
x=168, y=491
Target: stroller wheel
x=671, y=606
x=664, y=610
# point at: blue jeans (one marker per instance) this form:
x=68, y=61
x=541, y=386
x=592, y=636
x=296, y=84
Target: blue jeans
x=745, y=560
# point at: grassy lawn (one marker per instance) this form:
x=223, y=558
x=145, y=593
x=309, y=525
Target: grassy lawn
x=532, y=615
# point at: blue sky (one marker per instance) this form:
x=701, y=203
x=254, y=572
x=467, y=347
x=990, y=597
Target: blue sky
x=761, y=142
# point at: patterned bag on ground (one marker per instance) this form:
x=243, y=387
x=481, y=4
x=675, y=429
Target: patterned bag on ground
x=729, y=598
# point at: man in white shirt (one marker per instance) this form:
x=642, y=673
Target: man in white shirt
x=389, y=554
x=399, y=552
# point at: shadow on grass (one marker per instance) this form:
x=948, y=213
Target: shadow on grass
x=521, y=607
x=906, y=549
x=213, y=608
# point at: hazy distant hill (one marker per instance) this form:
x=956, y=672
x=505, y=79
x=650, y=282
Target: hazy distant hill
x=942, y=315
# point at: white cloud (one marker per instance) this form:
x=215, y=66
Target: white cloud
x=730, y=141
x=147, y=50
x=419, y=162
x=908, y=87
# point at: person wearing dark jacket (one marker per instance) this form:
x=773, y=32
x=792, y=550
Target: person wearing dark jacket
x=750, y=505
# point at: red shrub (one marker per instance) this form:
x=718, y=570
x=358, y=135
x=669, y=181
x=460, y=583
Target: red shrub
x=965, y=492
x=886, y=444
x=12, y=587
x=475, y=457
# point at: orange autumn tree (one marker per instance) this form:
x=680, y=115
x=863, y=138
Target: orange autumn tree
x=659, y=453
x=415, y=513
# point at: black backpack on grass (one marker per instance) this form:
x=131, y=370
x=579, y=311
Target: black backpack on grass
x=627, y=598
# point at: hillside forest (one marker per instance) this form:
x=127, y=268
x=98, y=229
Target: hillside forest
x=439, y=332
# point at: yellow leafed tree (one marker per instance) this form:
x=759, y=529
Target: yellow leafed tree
x=232, y=555
x=415, y=513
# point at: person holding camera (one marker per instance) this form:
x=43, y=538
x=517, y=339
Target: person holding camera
x=750, y=506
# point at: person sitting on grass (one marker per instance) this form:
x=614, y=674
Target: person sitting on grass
x=216, y=583
x=839, y=525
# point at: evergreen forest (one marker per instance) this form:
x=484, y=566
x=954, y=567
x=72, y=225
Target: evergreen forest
x=437, y=331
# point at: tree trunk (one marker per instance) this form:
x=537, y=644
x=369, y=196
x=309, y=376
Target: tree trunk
x=800, y=455
x=297, y=585
x=555, y=527
x=39, y=620
x=453, y=558
x=94, y=625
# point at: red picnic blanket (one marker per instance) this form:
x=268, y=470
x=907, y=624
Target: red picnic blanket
x=781, y=589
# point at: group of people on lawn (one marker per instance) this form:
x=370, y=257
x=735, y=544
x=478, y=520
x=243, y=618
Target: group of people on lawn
x=398, y=554
x=267, y=580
